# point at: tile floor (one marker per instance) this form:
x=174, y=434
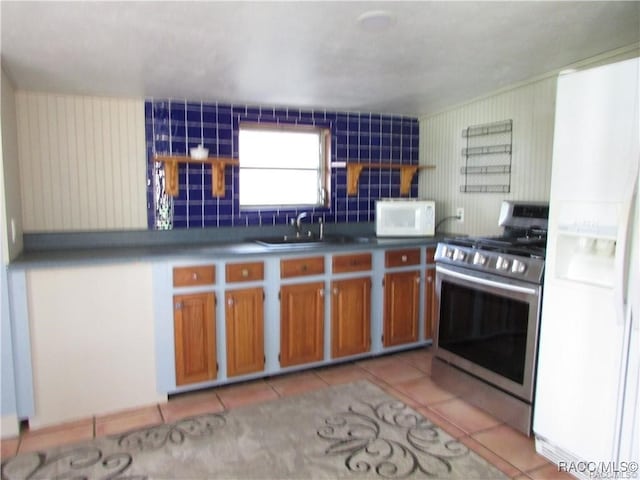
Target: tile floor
x=405, y=375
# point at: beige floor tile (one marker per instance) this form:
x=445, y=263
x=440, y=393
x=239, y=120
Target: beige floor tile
x=190, y=405
x=437, y=420
x=399, y=395
x=403, y=375
x=63, y=434
x=467, y=417
x=246, y=394
x=8, y=447
x=491, y=457
x=296, y=383
x=378, y=362
x=397, y=372
x=511, y=445
x=128, y=420
x=420, y=359
x=424, y=391
x=343, y=374
x=549, y=472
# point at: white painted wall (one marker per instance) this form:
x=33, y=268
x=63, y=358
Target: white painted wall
x=92, y=334
x=12, y=193
x=10, y=247
x=82, y=162
x=531, y=107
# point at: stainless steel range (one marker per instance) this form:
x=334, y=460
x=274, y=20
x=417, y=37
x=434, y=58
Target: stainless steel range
x=489, y=292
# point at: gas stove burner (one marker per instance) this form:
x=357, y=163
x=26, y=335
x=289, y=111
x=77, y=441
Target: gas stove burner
x=517, y=254
x=522, y=246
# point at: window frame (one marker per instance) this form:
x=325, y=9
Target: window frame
x=323, y=165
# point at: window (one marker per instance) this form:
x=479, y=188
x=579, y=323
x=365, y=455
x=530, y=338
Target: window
x=283, y=166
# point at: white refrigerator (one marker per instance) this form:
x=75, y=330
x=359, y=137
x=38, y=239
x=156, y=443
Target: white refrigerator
x=586, y=411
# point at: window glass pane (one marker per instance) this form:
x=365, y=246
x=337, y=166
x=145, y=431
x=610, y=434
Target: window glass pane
x=278, y=187
x=279, y=149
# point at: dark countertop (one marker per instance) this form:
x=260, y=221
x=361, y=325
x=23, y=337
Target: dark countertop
x=85, y=254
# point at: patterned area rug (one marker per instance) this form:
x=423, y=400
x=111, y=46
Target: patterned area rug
x=353, y=431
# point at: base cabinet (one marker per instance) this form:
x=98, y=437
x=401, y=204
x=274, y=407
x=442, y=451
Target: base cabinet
x=430, y=307
x=301, y=323
x=430, y=299
x=350, y=317
x=244, y=321
x=194, y=338
x=401, y=307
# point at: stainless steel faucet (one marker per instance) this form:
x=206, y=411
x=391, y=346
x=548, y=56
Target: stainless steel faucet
x=298, y=222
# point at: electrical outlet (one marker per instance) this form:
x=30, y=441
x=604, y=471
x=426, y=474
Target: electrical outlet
x=460, y=214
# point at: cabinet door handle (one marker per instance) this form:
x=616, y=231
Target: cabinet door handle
x=417, y=279
x=335, y=290
x=403, y=258
x=321, y=292
x=429, y=279
x=178, y=306
x=230, y=302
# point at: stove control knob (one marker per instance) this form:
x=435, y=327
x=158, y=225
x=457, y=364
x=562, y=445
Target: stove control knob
x=518, y=267
x=479, y=259
x=447, y=252
x=459, y=255
x=502, y=263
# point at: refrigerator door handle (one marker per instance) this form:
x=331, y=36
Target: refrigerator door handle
x=622, y=249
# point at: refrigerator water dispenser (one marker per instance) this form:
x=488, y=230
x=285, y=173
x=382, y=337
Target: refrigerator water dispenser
x=586, y=259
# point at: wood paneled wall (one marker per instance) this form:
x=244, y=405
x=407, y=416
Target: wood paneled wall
x=82, y=162
x=532, y=108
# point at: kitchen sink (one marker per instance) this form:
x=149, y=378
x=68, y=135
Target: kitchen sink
x=293, y=241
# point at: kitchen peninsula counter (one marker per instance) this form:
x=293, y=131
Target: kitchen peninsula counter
x=100, y=313
x=83, y=253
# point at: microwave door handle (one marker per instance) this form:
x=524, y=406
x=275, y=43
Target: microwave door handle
x=486, y=282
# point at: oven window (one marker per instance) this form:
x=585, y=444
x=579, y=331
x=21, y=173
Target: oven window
x=486, y=329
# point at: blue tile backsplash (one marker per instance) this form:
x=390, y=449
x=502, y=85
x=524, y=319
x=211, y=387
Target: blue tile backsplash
x=174, y=126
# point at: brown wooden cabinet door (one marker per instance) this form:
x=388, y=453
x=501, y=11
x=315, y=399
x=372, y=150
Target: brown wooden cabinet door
x=195, y=337
x=244, y=320
x=430, y=305
x=301, y=323
x=350, y=316
x=401, y=307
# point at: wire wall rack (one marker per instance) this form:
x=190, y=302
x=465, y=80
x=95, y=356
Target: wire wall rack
x=487, y=154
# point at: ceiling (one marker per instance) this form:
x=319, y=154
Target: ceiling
x=304, y=54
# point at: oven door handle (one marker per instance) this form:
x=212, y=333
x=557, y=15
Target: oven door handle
x=488, y=283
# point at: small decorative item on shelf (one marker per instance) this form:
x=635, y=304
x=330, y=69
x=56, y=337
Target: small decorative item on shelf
x=199, y=152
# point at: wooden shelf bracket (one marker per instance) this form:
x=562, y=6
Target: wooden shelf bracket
x=407, y=173
x=218, y=165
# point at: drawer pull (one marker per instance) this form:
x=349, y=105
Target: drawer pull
x=194, y=276
x=404, y=258
x=304, y=267
x=245, y=272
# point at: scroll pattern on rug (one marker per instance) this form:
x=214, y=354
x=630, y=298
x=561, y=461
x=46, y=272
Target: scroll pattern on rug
x=88, y=462
x=365, y=435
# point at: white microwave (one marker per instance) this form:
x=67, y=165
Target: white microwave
x=405, y=218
